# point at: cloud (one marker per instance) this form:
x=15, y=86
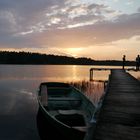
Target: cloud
x=123, y=27
x=138, y=10
x=7, y=22
x=60, y=23
x=130, y=2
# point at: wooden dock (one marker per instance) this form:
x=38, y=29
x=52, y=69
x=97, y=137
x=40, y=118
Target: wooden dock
x=107, y=69
x=119, y=117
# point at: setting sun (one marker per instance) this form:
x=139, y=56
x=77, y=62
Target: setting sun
x=75, y=52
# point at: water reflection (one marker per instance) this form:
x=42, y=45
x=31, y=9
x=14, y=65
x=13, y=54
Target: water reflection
x=19, y=84
x=136, y=74
x=17, y=111
x=61, y=73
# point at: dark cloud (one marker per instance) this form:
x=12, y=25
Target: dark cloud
x=26, y=12
x=98, y=8
x=139, y=9
x=19, y=16
x=30, y=23
x=86, y=18
x=124, y=27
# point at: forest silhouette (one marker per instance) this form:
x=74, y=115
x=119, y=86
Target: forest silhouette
x=7, y=57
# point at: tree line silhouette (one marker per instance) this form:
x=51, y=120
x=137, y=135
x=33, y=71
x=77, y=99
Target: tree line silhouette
x=7, y=57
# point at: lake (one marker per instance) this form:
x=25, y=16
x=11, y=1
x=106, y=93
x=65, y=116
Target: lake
x=18, y=90
x=25, y=79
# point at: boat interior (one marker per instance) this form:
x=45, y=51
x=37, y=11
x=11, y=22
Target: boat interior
x=67, y=106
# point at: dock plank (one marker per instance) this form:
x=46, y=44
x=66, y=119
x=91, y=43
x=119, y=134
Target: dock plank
x=119, y=117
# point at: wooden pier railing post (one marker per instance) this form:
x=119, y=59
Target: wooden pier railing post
x=91, y=74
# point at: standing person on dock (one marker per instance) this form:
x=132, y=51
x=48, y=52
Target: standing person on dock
x=137, y=62
x=124, y=59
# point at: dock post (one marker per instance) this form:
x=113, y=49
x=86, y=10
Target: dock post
x=91, y=74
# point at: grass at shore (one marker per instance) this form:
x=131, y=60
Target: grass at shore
x=93, y=90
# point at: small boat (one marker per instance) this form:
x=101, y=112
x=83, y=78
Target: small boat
x=68, y=110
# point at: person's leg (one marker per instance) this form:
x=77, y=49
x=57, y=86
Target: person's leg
x=123, y=64
x=137, y=66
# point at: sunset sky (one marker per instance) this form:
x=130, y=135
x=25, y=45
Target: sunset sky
x=99, y=29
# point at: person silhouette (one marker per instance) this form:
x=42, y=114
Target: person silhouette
x=124, y=59
x=137, y=62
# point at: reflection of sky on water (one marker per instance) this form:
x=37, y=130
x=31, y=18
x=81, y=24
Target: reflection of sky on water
x=18, y=90
x=46, y=72
x=32, y=75
x=135, y=74
x=18, y=110
x=52, y=72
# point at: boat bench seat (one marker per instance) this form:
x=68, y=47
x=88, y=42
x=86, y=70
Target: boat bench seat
x=64, y=103
x=71, y=111
x=81, y=128
x=63, y=99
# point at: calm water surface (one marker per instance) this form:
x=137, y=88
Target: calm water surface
x=18, y=90
x=25, y=79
